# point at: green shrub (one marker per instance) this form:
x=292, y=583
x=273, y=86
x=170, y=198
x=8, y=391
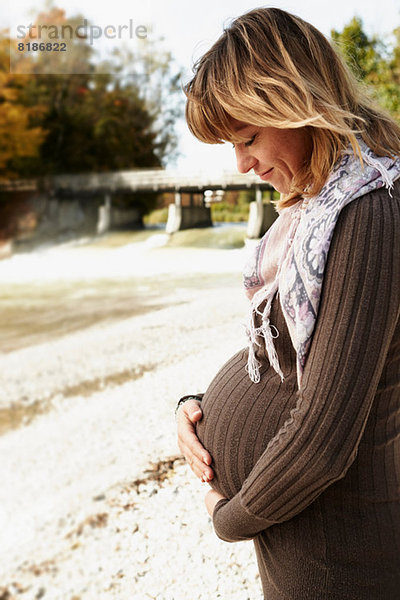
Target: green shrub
x=160, y=215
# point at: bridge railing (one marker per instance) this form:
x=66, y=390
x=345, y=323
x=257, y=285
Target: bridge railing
x=160, y=180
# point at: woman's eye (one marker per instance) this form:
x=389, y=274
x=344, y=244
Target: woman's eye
x=249, y=143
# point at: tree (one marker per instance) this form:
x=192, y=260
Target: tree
x=391, y=87
x=19, y=138
x=374, y=61
x=101, y=117
x=91, y=126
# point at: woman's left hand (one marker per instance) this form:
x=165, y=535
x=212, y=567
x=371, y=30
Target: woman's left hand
x=211, y=499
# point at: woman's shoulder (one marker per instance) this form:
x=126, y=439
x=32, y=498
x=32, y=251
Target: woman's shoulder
x=376, y=206
x=368, y=226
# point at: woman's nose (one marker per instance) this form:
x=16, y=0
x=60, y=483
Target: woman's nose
x=245, y=161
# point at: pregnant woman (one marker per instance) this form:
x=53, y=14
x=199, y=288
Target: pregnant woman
x=299, y=433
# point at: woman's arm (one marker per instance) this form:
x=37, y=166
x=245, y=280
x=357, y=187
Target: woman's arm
x=357, y=317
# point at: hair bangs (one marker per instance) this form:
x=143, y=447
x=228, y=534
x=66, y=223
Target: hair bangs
x=208, y=120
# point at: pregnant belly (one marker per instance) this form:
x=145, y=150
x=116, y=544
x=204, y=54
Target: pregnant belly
x=240, y=418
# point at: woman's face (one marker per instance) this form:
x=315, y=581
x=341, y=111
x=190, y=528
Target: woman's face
x=276, y=155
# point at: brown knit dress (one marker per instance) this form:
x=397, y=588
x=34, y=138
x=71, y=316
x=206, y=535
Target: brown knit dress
x=314, y=476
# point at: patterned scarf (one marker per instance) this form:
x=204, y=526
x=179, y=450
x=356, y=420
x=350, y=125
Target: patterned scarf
x=291, y=256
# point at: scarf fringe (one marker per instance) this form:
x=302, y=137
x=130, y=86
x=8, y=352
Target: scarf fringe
x=265, y=331
x=267, y=293
x=377, y=164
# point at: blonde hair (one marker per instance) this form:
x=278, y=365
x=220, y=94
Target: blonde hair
x=272, y=69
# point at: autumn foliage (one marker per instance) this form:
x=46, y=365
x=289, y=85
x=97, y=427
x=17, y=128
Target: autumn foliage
x=20, y=138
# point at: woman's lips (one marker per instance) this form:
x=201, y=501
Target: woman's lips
x=265, y=175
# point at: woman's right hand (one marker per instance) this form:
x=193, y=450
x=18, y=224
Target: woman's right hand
x=196, y=455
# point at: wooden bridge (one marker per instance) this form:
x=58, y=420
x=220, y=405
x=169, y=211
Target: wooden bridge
x=160, y=181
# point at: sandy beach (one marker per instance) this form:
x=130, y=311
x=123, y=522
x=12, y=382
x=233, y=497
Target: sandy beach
x=96, y=501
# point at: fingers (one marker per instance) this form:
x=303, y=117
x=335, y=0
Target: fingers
x=192, y=409
x=199, y=469
x=196, y=456
x=194, y=452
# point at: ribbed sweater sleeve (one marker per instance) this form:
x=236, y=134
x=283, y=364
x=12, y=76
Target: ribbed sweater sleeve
x=357, y=317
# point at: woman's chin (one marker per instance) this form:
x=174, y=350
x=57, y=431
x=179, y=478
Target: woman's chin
x=281, y=186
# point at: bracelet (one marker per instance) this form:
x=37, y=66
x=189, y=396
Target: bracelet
x=184, y=399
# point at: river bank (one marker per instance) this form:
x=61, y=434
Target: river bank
x=96, y=501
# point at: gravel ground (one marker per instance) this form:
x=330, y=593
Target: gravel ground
x=95, y=501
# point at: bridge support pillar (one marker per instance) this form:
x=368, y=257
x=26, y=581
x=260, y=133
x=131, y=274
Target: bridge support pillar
x=104, y=218
x=261, y=217
x=187, y=217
